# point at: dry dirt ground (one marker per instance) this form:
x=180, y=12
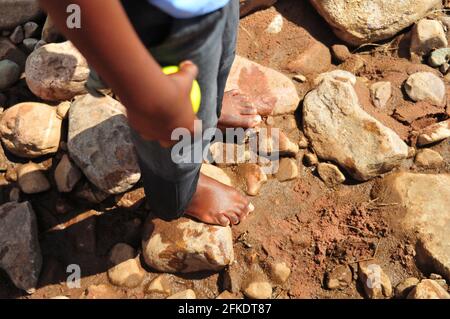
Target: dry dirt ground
x=301, y=222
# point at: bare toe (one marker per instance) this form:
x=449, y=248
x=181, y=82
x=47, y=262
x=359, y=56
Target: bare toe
x=234, y=218
x=223, y=220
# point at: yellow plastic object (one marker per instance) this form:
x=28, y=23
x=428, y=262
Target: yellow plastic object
x=196, y=95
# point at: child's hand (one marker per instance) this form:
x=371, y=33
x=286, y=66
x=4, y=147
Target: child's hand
x=178, y=109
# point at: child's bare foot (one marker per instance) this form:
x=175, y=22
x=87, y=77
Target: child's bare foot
x=238, y=111
x=218, y=204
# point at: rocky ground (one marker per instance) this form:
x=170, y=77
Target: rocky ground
x=360, y=206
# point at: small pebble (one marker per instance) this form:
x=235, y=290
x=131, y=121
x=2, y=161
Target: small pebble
x=300, y=78
x=30, y=29
x=17, y=35
x=258, y=290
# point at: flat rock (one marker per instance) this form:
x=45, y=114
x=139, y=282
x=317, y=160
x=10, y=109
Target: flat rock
x=428, y=289
x=31, y=129
x=126, y=271
x=434, y=133
x=185, y=246
x=67, y=175
x=425, y=199
x=368, y=21
x=427, y=158
x=341, y=131
x=267, y=88
x=31, y=179
x=57, y=72
x=20, y=254
x=99, y=142
x=426, y=36
x=425, y=86
x=16, y=12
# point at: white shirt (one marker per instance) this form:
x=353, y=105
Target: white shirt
x=183, y=9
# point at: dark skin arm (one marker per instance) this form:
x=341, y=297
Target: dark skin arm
x=156, y=104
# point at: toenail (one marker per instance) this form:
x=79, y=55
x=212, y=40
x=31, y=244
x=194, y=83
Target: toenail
x=224, y=221
x=251, y=207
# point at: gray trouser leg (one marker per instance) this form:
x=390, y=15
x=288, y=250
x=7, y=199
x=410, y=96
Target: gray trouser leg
x=209, y=41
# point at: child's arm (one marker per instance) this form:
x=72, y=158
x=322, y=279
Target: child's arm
x=156, y=103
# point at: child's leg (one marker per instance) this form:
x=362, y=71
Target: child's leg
x=237, y=111
x=174, y=188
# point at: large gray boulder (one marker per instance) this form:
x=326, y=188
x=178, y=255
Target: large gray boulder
x=365, y=21
x=20, y=254
x=99, y=142
x=342, y=132
x=16, y=12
